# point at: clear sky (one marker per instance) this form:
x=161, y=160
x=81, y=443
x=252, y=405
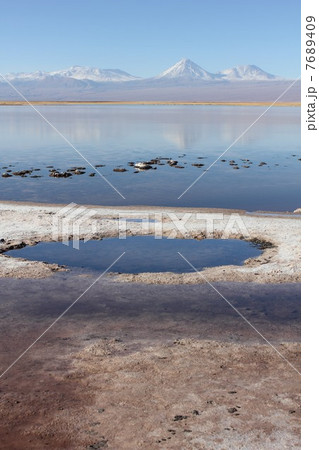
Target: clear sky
x=144, y=37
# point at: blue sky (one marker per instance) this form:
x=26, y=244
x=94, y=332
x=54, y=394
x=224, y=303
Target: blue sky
x=144, y=37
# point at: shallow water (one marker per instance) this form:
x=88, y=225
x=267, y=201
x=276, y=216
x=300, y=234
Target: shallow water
x=138, y=311
x=114, y=135
x=142, y=254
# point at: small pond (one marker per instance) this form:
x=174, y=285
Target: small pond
x=142, y=254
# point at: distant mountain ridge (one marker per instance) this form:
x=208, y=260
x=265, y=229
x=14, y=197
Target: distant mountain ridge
x=184, y=69
x=78, y=73
x=184, y=81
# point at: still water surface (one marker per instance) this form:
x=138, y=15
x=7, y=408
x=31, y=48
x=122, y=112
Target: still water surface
x=115, y=135
x=142, y=254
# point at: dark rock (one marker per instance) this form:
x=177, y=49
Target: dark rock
x=92, y=174
x=22, y=173
x=119, y=169
x=98, y=445
x=6, y=175
x=179, y=167
x=60, y=174
x=261, y=244
x=195, y=412
x=232, y=410
x=179, y=417
x=198, y=165
x=99, y=165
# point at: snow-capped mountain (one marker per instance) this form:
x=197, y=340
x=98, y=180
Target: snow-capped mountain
x=77, y=73
x=247, y=73
x=184, y=81
x=95, y=74
x=185, y=69
x=38, y=75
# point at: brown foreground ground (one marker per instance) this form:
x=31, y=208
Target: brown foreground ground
x=153, y=367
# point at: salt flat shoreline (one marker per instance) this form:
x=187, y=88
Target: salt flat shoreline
x=143, y=102
x=138, y=364
x=29, y=224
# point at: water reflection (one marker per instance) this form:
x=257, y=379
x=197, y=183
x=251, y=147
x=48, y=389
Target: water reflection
x=117, y=134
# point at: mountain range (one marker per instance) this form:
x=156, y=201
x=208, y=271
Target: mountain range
x=185, y=81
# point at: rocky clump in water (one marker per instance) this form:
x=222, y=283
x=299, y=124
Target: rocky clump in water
x=139, y=166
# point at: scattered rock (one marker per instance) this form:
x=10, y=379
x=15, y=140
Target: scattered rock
x=22, y=173
x=142, y=165
x=60, y=174
x=261, y=244
x=98, y=445
x=179, y=417
x=232, y=410
x=6, y=175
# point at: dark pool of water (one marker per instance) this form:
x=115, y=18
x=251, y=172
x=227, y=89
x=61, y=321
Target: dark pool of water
x=142, y=254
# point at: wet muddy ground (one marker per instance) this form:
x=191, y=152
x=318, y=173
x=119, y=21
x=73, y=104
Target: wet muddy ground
x=148, y=366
